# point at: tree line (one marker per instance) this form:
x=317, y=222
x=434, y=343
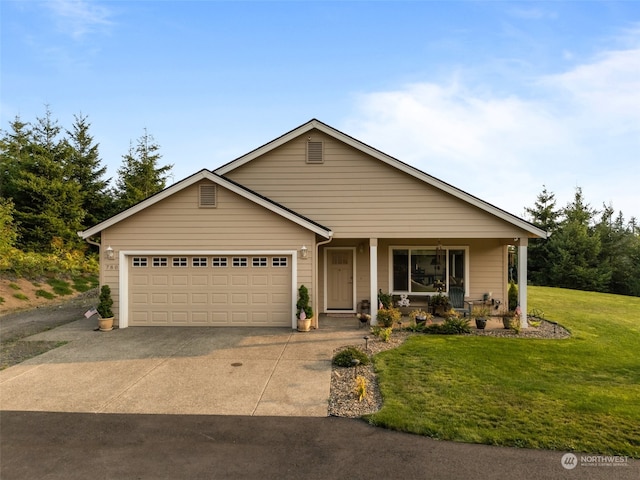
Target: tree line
x=53, y=183
x=587, y=250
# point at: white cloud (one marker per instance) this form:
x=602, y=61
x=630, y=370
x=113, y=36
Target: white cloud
x=581, y=129
x=79, y=17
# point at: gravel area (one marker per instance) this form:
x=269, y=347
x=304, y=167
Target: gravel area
x=15, y=328
x=343, y=400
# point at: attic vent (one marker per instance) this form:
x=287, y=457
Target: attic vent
x=207, y=196
x=314, y=152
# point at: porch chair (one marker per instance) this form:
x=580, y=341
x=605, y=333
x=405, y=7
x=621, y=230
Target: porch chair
x=459, y=304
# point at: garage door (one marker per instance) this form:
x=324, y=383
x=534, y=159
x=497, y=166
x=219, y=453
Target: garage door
x=210, y=290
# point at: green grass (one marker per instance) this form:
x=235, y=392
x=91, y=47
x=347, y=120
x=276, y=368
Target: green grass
x=45, y=294
x=60, y=287
x=579, y=394
x=15, y=286
x=20, y=296
x=84, y=283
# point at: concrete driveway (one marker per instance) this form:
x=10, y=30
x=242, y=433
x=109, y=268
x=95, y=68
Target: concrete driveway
x=204, y=371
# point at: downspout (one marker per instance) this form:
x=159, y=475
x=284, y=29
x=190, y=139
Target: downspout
x=315, y=278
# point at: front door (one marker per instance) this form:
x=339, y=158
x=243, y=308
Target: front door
x=339, y=279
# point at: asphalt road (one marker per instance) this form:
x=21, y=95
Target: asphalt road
x=81, y=446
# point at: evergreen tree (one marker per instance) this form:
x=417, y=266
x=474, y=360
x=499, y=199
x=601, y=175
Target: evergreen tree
x=87, y=171
x=14, y=152
x=575, y=250
x=139, y=176
x=545, y=216
x=48, y=204
x=8, y=232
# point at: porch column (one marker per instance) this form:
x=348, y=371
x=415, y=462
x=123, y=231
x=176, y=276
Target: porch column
x=522, y=281
x=373, y=275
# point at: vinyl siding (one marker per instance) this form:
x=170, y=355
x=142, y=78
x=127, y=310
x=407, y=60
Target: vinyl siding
x=178, y=224
x=358, y=196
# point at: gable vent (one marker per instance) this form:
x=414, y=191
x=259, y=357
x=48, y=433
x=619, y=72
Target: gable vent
x=315, y=152
x=207, y=196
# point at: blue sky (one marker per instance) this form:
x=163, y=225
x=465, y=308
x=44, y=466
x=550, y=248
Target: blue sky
x=496, y=98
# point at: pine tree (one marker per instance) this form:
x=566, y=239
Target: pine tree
x=86, y=170
x=544, y=216
x=139, y=176
x=48, y=204
x=575, y=250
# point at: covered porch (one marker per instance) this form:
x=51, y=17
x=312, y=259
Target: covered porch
x=351, y=272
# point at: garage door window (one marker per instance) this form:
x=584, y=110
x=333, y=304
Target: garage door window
x=240, y=261
x=219, y=262
x=160, y=262
x=139, y=261
x=179, y=261
x=279, y=262
x=259, y=261
x=199, y=261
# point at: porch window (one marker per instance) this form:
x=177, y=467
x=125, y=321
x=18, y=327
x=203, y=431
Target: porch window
x=418, y=270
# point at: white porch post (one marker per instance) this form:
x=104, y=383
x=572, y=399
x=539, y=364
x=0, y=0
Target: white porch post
x=522, y=281
x=373, y=275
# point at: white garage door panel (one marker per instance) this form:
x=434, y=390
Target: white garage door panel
x=210, y=296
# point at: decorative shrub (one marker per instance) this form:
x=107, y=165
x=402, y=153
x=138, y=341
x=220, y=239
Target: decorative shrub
x=386, y=299
x=106, y=302
x=361, y=387
x=513, y=296
x=383, y=334
x=303, y=302
x=344, y=358
x=388, y=316
x=451, y=326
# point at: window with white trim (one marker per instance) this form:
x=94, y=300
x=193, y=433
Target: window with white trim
x=139, y=261
x=160, y=261
x=420, y=270
x=279, y=262
x=219, y=262
x=240, y=261
x=199, y=262
x=179, y=261
x=259, y=261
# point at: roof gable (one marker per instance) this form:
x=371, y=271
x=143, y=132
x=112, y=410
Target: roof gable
x=387, y=159
x=223, y=182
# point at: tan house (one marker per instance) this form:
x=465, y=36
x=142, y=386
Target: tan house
x=316, y=207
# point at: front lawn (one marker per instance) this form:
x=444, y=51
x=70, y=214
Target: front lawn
x=579, y=394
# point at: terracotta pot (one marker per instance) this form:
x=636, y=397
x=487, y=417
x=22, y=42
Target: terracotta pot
x=105, y=324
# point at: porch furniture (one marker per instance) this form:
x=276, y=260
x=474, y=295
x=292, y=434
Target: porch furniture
x=458, y=303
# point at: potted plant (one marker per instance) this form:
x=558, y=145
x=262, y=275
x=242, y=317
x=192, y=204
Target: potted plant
x=508, y=319
x=440, y=303
x=304, y=312
x=480, y=313
x=387, y=317
x=105, y=314
x=420, y=317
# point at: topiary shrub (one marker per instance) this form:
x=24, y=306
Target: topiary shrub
x=344, y=358
x=106, y=302
x=513, y=296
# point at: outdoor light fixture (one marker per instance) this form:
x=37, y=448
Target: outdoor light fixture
x=303, y=251
x=110, y=254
